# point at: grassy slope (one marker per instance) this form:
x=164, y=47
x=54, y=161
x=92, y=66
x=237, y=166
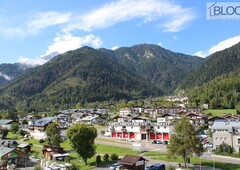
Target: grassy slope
x=219, y=112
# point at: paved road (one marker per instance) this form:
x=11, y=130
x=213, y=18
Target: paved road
x=148, y=146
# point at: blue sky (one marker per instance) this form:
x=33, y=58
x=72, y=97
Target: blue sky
x=31, y=29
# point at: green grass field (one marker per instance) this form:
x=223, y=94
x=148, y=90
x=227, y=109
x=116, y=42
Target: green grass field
x=193, y=160
x=220, y=112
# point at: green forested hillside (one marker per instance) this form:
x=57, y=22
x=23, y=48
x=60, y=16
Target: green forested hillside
x=217, y=64
x=156, y=64
x=11, y=70
x=221, y=92
x=83, y=75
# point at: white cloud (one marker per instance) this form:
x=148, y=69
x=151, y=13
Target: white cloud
x=170, y=16
x=31, y=25
x=66, y=41
x=46, y=19
x=31, y=61
x=114, y=47
x=5, y=76
x=62, y=43
x=124, y=10
x=219, y=47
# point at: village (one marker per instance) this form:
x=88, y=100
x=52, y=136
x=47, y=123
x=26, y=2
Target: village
x=135, y=125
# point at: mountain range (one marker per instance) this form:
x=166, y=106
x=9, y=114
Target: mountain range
x=89, y=75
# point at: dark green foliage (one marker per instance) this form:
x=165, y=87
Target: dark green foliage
x=156, y=64
x=106, y=157
x=83, y=75
x=14, y=127
x=220, y=148
x=217, y=64
x=24, y=122
x=73, y=167
x=98, y=160
x=21, y=132
x=229, y=149
x=41, y=141
x=81, y=137
x=87, y=75
x=220, y=92
x=114, y=157
x=53, y=134
x=11, y=70
x=4, y=132
x=184, y=142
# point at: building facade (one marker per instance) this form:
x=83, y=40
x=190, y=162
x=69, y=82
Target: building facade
x=141, y=129
x=226, y=132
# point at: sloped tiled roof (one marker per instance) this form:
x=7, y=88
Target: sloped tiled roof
x=131, y=159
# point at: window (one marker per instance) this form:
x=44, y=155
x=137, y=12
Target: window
x=216, y=138
x=238, y=141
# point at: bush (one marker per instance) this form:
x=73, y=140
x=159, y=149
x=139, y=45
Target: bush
x=229, y=149
x=114, y=157
x=41, y=141
x=102, y=132
x=73, y=167
x=98, y=160
x=106, y=157
x=220, y=149
x=21, y=132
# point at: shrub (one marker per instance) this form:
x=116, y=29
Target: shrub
x=102, y=132
x=106, y=157
x=41, y=141
x=229, y=149
x=98, y=159
x=73, y=167
x=114, y=157
x=220, y=148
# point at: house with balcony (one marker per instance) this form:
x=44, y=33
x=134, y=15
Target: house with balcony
x=39, y=126
x=125, y=111
x=141, y=128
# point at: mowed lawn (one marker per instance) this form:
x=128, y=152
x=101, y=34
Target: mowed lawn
x=75, y=159
x=193, y=160
x=220, y=112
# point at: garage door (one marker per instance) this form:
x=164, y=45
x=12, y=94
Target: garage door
x=114, y=135
x=152, y=135
x=119, y=135
x=159, y=136
x=165, y=136
x=132, y=135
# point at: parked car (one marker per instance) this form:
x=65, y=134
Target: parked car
x=165, y=142
x=157, y=142
x=115, y=166
x=157, y=166
x=208, y=145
